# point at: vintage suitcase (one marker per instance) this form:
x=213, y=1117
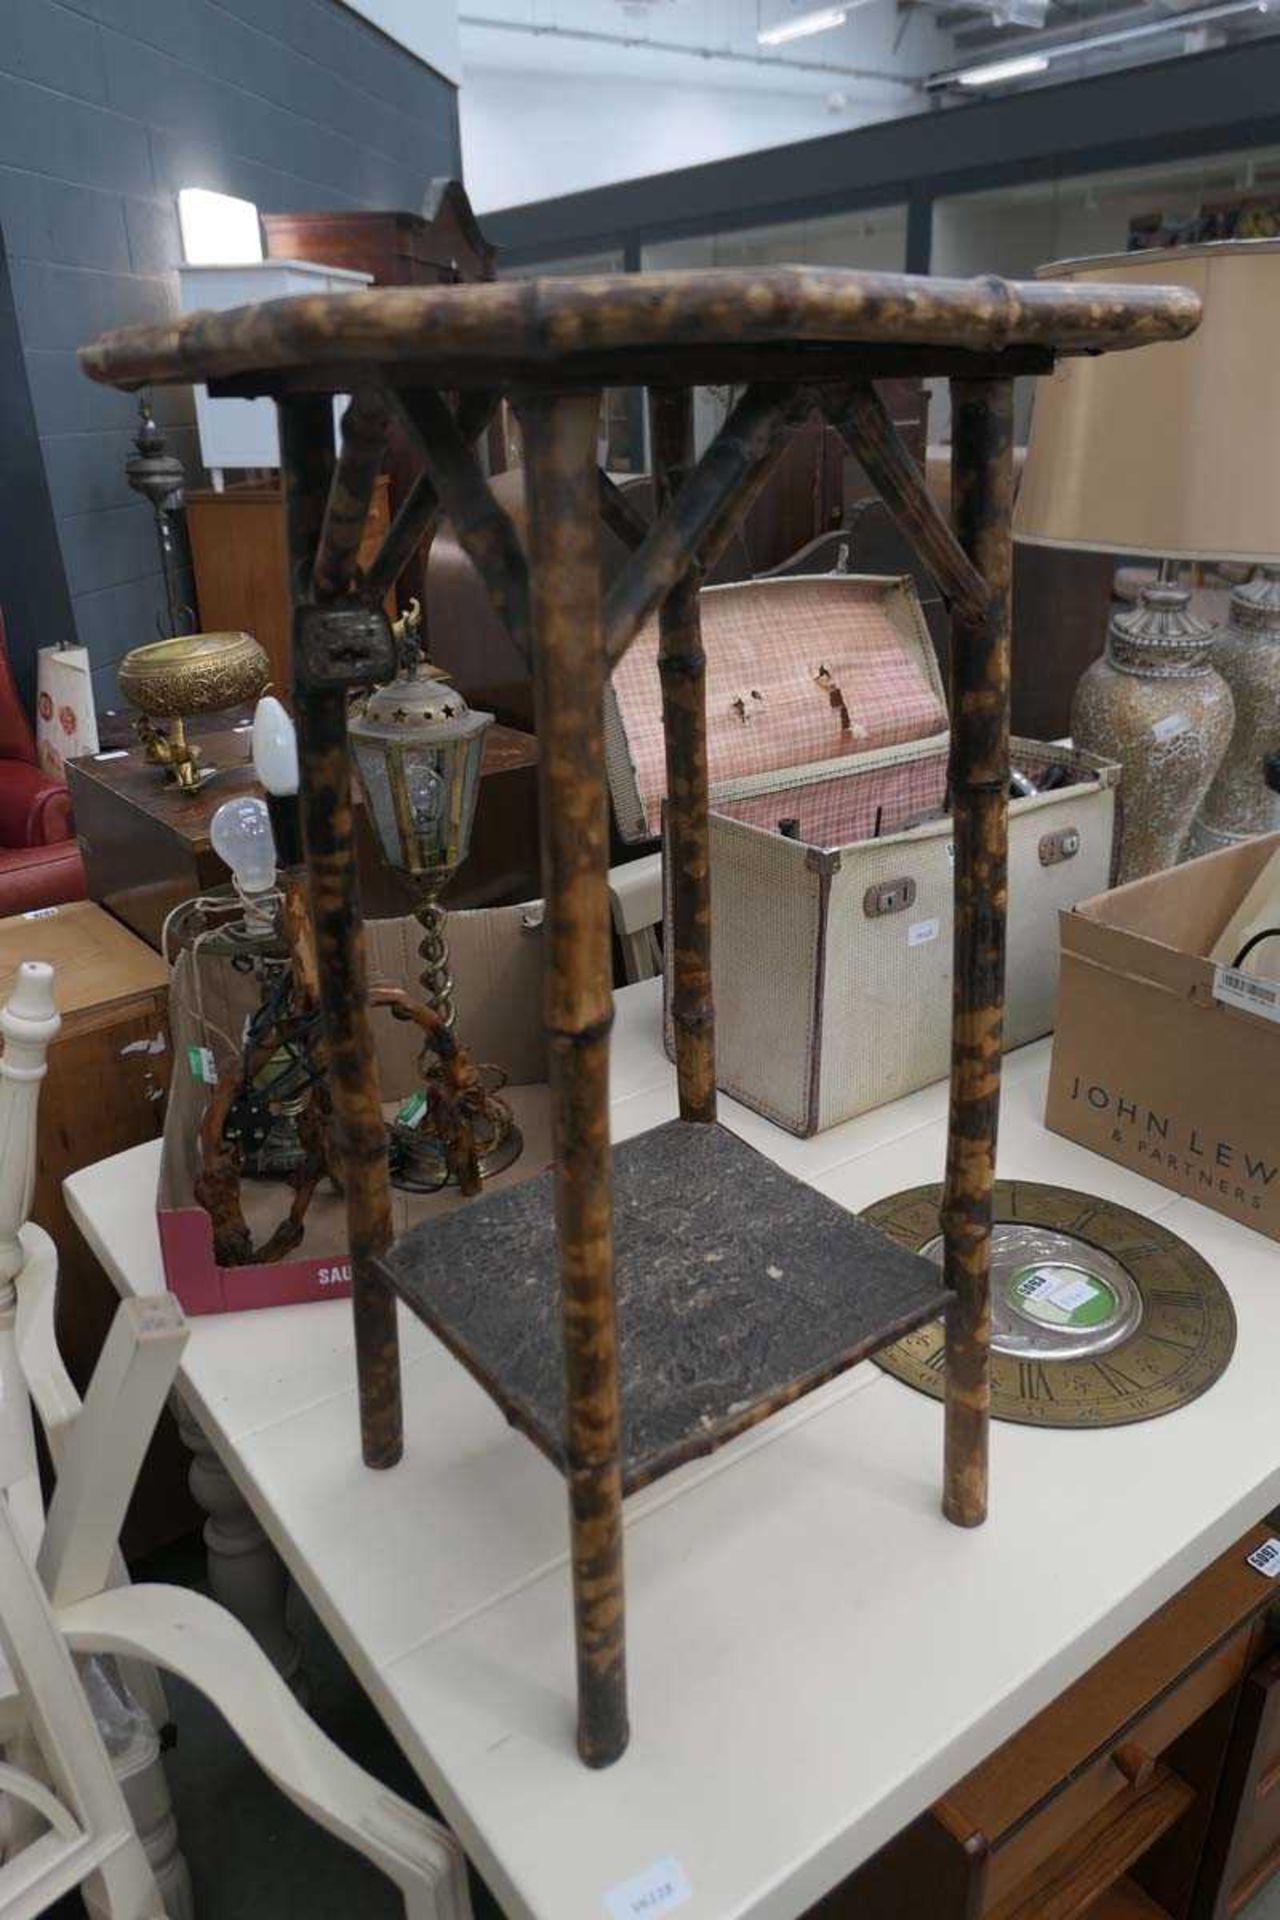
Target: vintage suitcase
x=832, y=951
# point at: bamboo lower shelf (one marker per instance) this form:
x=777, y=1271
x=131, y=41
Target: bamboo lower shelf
x=739, y=1289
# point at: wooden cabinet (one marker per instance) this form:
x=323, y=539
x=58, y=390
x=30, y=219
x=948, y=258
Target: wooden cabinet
x=1243, y=1848
x=437, y=247
x=146, y=843
x=1102, y=1805
x=104, y=1090
x=440, y=246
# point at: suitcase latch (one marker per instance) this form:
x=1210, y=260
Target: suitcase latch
x=1059, y=846
x=889, y=896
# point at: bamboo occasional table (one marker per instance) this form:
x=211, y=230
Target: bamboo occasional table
x=628, y=1313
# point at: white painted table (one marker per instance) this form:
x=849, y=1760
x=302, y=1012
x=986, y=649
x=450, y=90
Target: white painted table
x=815, y=1654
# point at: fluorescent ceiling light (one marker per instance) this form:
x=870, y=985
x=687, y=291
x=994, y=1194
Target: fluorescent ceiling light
x=820, y=20
x=987, y=74
x=217, y=229
x=997, y=70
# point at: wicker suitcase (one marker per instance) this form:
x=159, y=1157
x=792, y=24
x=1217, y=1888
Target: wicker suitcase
x=832, y=952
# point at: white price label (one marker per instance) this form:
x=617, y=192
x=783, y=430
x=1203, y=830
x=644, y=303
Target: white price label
x=661, y=1888
x=1171, y=726
x=922, y=932
x=41, y=913
x=1266, y=1558
x=1070, y=1294
x=116, y=753
x=1236, y=989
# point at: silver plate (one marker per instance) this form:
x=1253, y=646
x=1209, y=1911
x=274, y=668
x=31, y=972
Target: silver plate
x=1053, y=1296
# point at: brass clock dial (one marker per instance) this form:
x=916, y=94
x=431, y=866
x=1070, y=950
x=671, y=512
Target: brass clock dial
x=1099, y=1315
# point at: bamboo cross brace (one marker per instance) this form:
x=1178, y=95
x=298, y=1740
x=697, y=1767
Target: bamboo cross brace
x=559, y=440
x=305, y=461
x=484, y=529
x=420, y=508
x=619, y=515
x=859, y=416
x=982, y=489
x=364, y=438
x=682, y=665
x=694, y=523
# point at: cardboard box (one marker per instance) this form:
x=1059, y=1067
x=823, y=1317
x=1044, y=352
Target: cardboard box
x=497, y=963
x=1162, y=1059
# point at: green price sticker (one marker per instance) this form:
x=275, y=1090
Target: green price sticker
x=202, y=1065
x=1060, y=1295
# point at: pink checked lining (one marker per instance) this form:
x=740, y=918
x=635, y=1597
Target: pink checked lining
x=798, y=671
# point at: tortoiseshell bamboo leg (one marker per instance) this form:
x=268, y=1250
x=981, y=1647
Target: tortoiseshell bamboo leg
x=305, y=439
x=564, y=570
x=683, y=668
x=982, y=488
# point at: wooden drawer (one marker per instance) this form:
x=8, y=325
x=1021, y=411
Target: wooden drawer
x=1243, y=1848
x=1112, y=1775
x=1099, y=1806
x=1068, y=1884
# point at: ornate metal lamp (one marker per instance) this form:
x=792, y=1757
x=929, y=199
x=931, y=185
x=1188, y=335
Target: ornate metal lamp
x=418, y=747
x=157, y=475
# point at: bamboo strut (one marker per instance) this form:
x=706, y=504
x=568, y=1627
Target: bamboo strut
x=364, y=439
x=559, y=439
x=618, y=513
x=693, y=525
x=858, y=415
x=305, y=436
x=420, y=509
x=484, y=529
x=683, y=668
x=982, y=489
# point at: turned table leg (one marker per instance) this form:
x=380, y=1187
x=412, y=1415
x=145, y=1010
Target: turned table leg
x=246, y=1574
x=564, y=570
x=982, y=489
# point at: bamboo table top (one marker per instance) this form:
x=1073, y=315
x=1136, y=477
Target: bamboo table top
x=817, y=1654
x=685, y=326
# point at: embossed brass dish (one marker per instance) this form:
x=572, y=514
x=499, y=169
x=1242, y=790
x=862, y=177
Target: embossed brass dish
x=191, y=673
x=1100, y=1316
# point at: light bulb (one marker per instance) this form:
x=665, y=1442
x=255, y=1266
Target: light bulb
x=275, y=747
x=426, y=798
x=240, y=833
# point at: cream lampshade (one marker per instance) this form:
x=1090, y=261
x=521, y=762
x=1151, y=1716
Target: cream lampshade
x=1177, y=454
x=1177, y=457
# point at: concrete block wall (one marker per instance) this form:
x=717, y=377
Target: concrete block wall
x=107, y=108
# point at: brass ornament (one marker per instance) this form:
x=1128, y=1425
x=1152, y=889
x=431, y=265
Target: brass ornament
x=1168, y=1334
x=188, y=674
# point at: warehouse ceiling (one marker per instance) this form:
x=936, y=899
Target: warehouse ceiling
x=904, y=46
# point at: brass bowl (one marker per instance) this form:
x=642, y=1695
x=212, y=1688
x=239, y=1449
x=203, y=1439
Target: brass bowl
x=193, y=673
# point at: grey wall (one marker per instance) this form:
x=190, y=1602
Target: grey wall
x=107, y=107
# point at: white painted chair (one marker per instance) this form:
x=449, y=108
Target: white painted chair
x=635, y=897
x=64, y=1590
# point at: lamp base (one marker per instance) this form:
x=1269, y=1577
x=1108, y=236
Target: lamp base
x=1241, y=802
x=419, y=1163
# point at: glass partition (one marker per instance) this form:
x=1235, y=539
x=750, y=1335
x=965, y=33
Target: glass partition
x=874, y=238
x=1015, y=230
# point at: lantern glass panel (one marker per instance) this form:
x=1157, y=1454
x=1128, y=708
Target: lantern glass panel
x=373, y=765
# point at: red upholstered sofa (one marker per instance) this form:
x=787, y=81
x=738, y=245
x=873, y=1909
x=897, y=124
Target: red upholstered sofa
x=40, y=864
